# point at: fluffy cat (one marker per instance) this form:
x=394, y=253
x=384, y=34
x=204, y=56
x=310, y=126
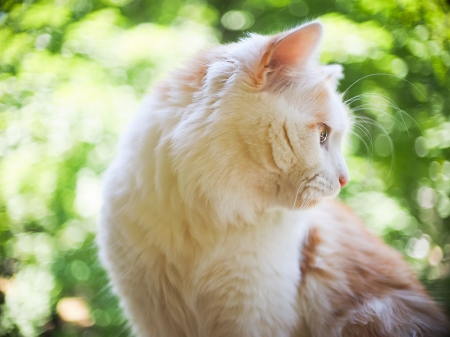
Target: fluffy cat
x=218, y=218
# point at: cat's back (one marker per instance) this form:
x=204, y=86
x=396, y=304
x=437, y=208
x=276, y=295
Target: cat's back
x=338, y=237
x=372, y=290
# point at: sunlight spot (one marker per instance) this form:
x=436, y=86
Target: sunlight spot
x=298, y=8
x=42, y=41
x=446, y=170
x=434, y=169
x=5, y=284
x=443, y=206
x=383, y=146
x=74, y=310
x=419, y=49
x=72, y=236
x=436, y=256
x=426, y=197
x=418, y=248
x=28, y=299
x=102, y=318
x=80, y=270
x=421, y=146
x=422, y=32
x=237, y=20
x=399, y=67
x=87, y=200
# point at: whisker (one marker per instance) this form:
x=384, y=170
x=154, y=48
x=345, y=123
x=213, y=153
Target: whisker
x=369, y=150
x=391, y=144
x=372, y=108
x=389, y=103
x=363, y=129
x=378, y=106
x=366, y=133
x=296, y=194
x=384, y=74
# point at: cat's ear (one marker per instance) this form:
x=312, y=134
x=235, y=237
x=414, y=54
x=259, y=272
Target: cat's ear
x=333, y=72
x=291, y=49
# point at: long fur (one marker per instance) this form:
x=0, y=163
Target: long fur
x=217, y=217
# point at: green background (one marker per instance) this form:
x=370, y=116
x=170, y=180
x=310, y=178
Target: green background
x=72, y=73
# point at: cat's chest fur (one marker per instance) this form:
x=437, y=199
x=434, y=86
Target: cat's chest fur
x=240, y=281
x=251, y=278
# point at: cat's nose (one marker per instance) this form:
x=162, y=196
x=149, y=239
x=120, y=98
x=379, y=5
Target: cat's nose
x=343, y=180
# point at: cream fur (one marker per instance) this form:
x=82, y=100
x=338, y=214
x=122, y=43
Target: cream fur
x=208, y=202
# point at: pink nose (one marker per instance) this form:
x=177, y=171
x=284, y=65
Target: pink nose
x=343, y=181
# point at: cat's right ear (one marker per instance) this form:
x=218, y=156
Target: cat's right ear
x=292, y=49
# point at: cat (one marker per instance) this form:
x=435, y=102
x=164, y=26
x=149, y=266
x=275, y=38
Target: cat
x=219, y=217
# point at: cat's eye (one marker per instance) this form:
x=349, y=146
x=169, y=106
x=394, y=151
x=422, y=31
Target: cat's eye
x=323, y=132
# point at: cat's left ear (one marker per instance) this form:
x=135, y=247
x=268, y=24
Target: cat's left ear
x=333, y=73
x=294, y=49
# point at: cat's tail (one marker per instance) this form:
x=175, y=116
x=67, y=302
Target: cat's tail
x=402, y=313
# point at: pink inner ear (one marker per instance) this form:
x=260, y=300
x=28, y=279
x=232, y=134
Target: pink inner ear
x=298, y=46
x=263, y=65
x=291, y=49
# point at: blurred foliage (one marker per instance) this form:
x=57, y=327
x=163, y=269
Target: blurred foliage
x=72, y=72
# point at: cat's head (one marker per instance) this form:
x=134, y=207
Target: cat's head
x=264, y=127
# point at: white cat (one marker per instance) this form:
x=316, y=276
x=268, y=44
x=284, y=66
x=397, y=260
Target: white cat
x=217, y=216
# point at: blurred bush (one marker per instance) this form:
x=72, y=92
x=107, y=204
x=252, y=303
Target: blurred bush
x=72, y=73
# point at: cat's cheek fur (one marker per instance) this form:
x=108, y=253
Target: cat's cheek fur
x=282, y=150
